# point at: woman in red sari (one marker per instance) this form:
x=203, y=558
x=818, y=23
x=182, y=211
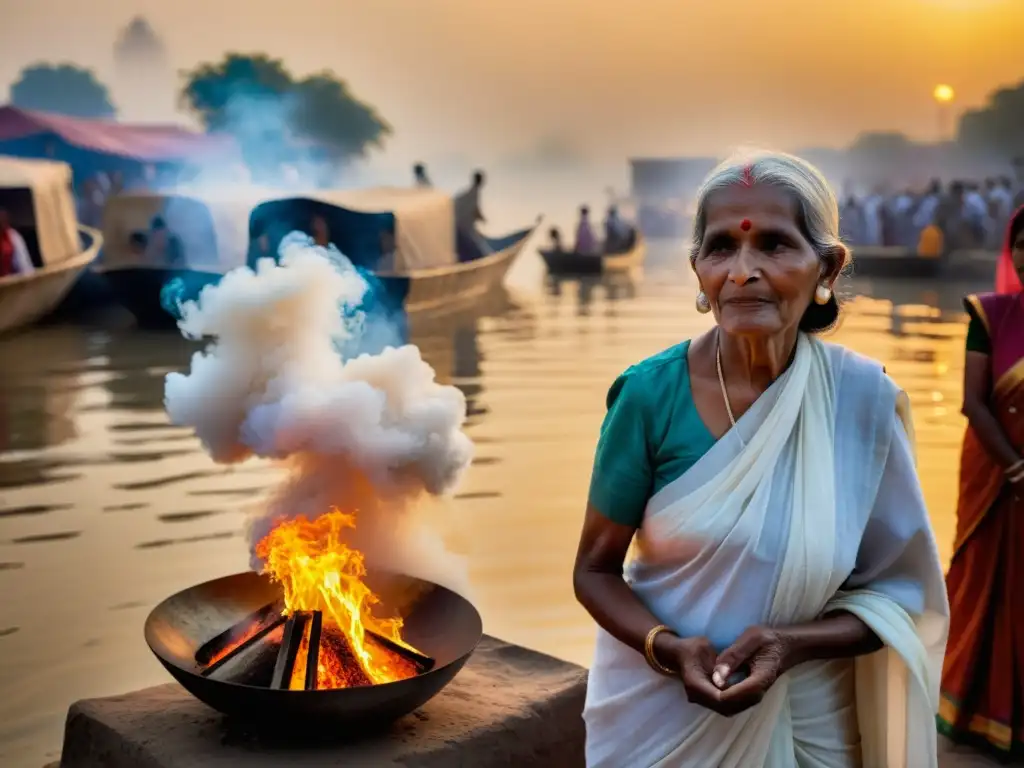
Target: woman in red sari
x=983, y=676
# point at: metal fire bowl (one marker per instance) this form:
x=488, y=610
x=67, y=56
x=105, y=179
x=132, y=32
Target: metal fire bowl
x=438, y=622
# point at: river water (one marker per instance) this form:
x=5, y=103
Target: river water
x=105, y=509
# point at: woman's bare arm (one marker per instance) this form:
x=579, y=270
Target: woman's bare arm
x=837, y=635
x=602, y=590
x=978, y=410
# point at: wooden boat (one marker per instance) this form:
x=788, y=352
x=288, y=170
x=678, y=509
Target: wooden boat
x=570, y=263
x=37, y=196
x=906, y=263
x=424, y=272
x=205, y=235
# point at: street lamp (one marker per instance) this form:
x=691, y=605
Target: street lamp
x=943, y=95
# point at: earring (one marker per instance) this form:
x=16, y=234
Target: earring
x=703, y=303
x=822, y=294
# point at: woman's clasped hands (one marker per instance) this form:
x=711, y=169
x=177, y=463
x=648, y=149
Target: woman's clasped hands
x=712, y=679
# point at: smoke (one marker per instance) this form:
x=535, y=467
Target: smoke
x=373, y=434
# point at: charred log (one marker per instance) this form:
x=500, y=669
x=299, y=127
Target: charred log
x=239, y=636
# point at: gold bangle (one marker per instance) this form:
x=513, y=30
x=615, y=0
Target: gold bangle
x=652, y=661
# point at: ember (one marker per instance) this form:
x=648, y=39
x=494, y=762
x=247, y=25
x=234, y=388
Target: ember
x=331, y=639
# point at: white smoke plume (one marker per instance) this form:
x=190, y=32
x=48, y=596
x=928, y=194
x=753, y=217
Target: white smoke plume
x=375, y=435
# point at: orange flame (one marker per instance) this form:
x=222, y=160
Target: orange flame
x=318, y=572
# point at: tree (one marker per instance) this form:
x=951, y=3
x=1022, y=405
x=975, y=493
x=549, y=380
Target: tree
x=64, y=89
x=996, y=128
x=275, y=116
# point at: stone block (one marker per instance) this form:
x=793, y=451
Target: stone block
x=509, y=706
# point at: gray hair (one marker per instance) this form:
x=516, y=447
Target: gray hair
x=817, y=210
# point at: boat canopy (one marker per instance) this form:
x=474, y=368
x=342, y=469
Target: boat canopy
x=420, y=221
x=37, y=197
x=205, y=230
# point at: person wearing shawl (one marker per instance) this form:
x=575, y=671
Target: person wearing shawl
x=983, y=677
x=784, y=604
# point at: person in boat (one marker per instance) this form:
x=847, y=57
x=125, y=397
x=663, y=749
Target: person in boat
x=785, y=590
x=163, y=248
x=420, y=178
x=470, y=244
x=983, y=676
x=556, y=239
x=320, y=231
x=15, y=258
x=586, y=240
x=617, y=232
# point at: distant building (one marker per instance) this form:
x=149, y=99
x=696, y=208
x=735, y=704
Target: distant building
x=663, y=190
x=144, y=83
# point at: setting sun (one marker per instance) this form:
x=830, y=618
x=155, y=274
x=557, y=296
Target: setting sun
x=943, y=93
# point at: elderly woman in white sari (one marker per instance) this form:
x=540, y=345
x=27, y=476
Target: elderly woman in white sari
x=785, y=604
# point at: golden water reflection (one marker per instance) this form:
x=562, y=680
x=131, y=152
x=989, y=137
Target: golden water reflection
x=105, y=508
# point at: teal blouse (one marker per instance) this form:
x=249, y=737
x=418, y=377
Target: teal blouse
x=650, y=436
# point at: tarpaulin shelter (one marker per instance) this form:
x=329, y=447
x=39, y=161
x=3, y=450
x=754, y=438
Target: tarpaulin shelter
x=93, y=146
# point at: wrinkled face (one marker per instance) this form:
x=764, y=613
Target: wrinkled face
x=755, y=265
x=1017, y=252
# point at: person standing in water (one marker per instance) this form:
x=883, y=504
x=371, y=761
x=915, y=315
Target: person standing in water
x=983, y=674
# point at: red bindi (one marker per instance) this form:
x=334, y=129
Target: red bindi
x=745, y=225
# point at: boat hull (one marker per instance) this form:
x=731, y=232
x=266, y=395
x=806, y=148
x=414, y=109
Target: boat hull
x=445, y=289
x=138, y=289
x=905, y=263
x=570, y=263
x=26, y=299
x=428, y=290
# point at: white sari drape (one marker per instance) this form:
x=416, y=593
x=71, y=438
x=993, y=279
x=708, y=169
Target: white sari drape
x=810, y=503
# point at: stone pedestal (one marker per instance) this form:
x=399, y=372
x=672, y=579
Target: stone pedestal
x=507, y=707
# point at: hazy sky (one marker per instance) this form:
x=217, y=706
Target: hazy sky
x=636, y=77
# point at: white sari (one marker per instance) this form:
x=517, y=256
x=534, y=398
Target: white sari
x=811, y=503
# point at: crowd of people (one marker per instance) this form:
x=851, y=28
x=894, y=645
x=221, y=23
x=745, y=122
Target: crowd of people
x=959, y=215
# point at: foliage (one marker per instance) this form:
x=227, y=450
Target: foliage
x=64, y=89
x=271, y=113
x=997, y=127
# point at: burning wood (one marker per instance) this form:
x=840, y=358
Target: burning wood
x=216, y=652
x=331, y=639
x=298, y=658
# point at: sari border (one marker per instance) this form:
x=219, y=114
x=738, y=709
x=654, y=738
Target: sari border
x=1009, y=379
x=998, y=735
x=973, y=305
